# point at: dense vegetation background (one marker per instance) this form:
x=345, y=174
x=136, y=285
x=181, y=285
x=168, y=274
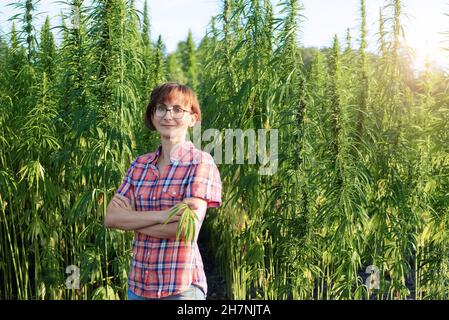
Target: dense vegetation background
x=363, y=177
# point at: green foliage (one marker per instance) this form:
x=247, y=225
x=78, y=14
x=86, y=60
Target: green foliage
x=186, y=225
x=340, y=200
x=363, y=154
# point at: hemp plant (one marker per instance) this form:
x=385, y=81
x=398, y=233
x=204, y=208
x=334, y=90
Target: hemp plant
x=186, y=223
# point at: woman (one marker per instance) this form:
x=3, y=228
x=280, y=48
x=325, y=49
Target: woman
x=163, y=268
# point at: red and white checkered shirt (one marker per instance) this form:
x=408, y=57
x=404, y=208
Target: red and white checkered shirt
x=164, y=267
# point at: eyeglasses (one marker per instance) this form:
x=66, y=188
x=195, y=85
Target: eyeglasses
x=176, y=111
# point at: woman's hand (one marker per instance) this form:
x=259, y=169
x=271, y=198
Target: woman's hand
x=191, y=202
x=120, y=201
x=166, y=213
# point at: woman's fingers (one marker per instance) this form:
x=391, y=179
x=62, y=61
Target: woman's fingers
x=118, y=203
x=115, y=203
x=119, y=196
x=121, y=200
x=192, y=205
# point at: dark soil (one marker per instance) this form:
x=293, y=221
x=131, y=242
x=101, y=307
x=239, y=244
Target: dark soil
x=215, y=282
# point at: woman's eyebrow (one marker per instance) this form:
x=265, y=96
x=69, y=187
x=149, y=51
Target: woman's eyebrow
x=176, y=105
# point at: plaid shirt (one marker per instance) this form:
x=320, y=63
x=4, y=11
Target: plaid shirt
x=164, y=267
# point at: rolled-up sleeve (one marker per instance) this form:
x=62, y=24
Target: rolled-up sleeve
x=206, y=184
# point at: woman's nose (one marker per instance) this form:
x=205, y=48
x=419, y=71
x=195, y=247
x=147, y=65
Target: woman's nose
x=167, y=113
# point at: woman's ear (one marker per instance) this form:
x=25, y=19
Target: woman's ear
x=193, y=120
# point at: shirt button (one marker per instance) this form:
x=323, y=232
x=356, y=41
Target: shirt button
x=174, y=192
x=154, y=198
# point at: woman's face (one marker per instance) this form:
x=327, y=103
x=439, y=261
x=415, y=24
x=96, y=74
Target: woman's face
x=172, y=117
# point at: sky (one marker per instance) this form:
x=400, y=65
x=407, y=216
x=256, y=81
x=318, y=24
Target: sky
x=424, y=23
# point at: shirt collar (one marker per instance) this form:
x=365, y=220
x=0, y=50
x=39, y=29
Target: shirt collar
x=183, y=152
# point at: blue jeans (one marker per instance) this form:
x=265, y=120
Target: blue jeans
x=192, y=293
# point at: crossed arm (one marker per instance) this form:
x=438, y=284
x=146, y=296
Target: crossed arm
x=120, y=214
